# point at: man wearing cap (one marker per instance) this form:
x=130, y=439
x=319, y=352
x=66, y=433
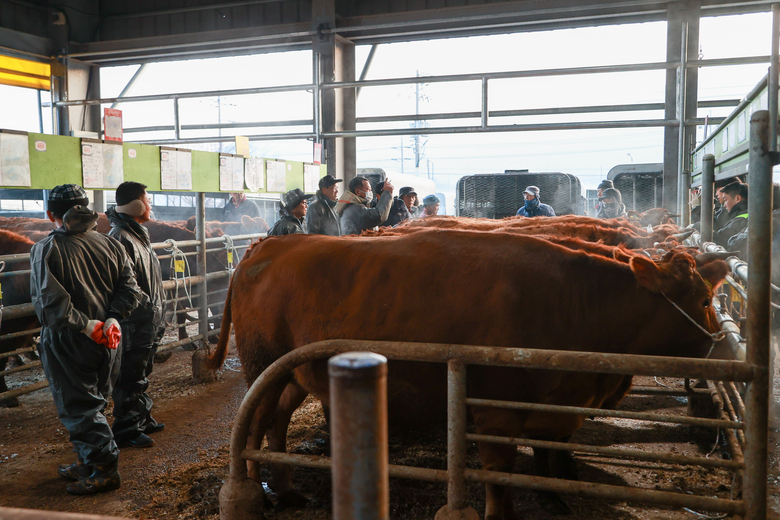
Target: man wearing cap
x=611, y=204
x=399, y=212
x=533, y=206
x=735, y=200
x=409, y=196
x=143, y=329
x=430, y=206
x=238, y=206
x=292, y=209
x=354, y=206
x=82, y=286
x=321, y=218
x=604, y=185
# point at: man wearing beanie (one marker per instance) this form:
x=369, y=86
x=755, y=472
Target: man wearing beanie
x=143, y=329
x=604, y=185
x=82, y=286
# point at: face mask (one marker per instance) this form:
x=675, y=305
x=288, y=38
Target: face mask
x=135, y=208
x=532, y=204
x=369, y=197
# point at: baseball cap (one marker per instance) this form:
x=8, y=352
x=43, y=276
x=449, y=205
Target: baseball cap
x=406, y=190
x=532, y=190
x=328, y=181
x=293, y=197
x=431, y=199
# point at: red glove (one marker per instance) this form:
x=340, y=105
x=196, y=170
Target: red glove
x=94, y=330
x=112, y=333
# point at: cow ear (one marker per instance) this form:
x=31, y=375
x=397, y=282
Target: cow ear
x=647, y=274
x=621, y=256
x=247, y=221
x=714, y=273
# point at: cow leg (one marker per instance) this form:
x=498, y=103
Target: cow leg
x=554, y=464
x=498, y=499
x=281, y=474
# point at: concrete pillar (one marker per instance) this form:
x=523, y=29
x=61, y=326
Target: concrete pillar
x=678, y=13
x=336, y=57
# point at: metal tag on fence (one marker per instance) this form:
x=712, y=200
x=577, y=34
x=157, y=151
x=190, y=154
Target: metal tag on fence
x=178, y=266
x=230, y=257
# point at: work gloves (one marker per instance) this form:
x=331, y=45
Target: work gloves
x=107, y=333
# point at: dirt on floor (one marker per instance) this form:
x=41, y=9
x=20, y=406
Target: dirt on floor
x=181, y=475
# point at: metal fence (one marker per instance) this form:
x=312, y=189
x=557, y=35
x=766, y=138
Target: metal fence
x=233, y=503
x=180, y=292
x=501, y=195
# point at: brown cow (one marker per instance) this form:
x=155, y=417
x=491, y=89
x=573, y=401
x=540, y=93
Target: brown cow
x=477, y=281
x=15, y=291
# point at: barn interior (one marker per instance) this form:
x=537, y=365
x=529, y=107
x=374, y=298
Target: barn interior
x=61, y=47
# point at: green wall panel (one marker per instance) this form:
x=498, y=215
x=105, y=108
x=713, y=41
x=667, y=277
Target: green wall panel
x=60, y=163
x=145, y=167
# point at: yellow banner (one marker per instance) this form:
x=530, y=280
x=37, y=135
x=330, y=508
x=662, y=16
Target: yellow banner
x=24, y=73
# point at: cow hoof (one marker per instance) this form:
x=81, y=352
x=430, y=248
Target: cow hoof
x=10, y=403
x=552, y=503
x=292, y=499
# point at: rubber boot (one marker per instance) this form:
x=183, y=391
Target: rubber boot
x=76, y=471
x=103, y=478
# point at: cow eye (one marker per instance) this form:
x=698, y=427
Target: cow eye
x=706, y=303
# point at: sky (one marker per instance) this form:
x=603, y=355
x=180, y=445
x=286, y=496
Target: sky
x=588, y=154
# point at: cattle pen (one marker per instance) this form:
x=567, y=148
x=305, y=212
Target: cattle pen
x=642, y=460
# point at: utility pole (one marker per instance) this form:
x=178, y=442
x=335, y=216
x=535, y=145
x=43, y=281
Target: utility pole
x=417, y=125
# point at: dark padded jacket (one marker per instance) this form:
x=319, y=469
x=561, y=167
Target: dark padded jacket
x=135, y=239
x=738, y=221
x=233, y=213
x=544, y=210
x=80, y=275
x=398, y=213
x=321, y=218
x=287, y=225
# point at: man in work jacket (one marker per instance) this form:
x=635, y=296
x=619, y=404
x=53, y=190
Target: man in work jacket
x=293, y=207
x=354, y=206
x=533, y=205
x=321, y=218
x=735, y=200
x=142, y=330
x=82, y=286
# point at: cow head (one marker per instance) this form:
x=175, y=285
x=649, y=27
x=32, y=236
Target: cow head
x=677, y=277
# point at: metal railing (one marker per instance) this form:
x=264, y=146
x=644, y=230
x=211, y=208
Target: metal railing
x=259, y=399
x=172, y=286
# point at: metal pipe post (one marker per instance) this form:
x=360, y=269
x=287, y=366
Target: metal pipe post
x=358, y=404
x=484, y=118
x=774, y=69
x=200, y=234
x=681, y=95
x=685, y=199
x=707, y=196
x=176, y=119
x=457, y=506
x=758, y=313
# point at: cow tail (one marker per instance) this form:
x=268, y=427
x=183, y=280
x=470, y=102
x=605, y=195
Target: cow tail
x=215, y=360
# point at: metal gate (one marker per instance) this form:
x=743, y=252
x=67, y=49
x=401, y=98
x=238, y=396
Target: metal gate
x=240, y=495
x=500, y=195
